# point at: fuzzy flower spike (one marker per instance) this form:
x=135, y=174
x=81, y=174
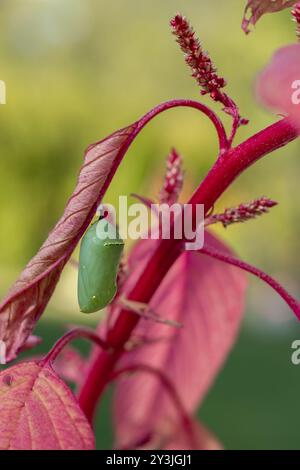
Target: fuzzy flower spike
x=243, y=212
x=173, y=180
x=296, y=18
x=203, y=70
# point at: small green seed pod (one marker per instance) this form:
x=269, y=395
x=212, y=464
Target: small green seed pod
x=100, y=253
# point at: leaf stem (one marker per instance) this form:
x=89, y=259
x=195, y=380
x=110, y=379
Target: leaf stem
x=70, y=336
x=284, y=294
x=216, y=121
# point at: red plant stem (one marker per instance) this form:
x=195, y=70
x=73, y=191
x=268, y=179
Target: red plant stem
x=288, y=298
x=216, y=121
x=167, y=384
x=222, y=174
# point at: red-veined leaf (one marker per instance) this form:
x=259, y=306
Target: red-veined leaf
x=39, y=412
x=208, y=299
x=260, y=7
x=278, y=86
x=30, y=294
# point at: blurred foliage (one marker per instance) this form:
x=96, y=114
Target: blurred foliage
x=253, y=403
x=75, y=71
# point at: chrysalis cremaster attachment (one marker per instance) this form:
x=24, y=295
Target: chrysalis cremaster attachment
x=100, y=253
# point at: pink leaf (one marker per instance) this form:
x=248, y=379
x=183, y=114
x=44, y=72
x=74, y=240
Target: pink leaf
x=29, y=296
x=172, y=436
x=208, y=299
x=70, y=365
x=39, y=412
x=31, y=342
x=204, y=439
x=260, y=7
x=278, y=85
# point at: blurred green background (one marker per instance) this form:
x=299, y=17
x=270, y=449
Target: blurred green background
x=75, y=71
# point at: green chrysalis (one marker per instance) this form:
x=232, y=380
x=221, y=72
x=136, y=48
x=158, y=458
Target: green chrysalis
x=100, y=253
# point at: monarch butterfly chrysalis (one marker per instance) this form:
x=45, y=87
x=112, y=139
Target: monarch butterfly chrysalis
x=100, y=253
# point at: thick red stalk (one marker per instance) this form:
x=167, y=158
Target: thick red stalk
x=228, y=166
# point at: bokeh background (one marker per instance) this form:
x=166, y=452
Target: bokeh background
x=75, y=71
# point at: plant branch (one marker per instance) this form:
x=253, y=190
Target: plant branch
x=222, y=174
x=288, y=298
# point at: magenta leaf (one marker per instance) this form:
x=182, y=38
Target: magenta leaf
x=173, y=437
x=203, y=439
x=278, y=86
x=31, y=342
x=259, y=7
x=39, y=412
x=70, y=365
x=207, y=298
x=29, y=296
